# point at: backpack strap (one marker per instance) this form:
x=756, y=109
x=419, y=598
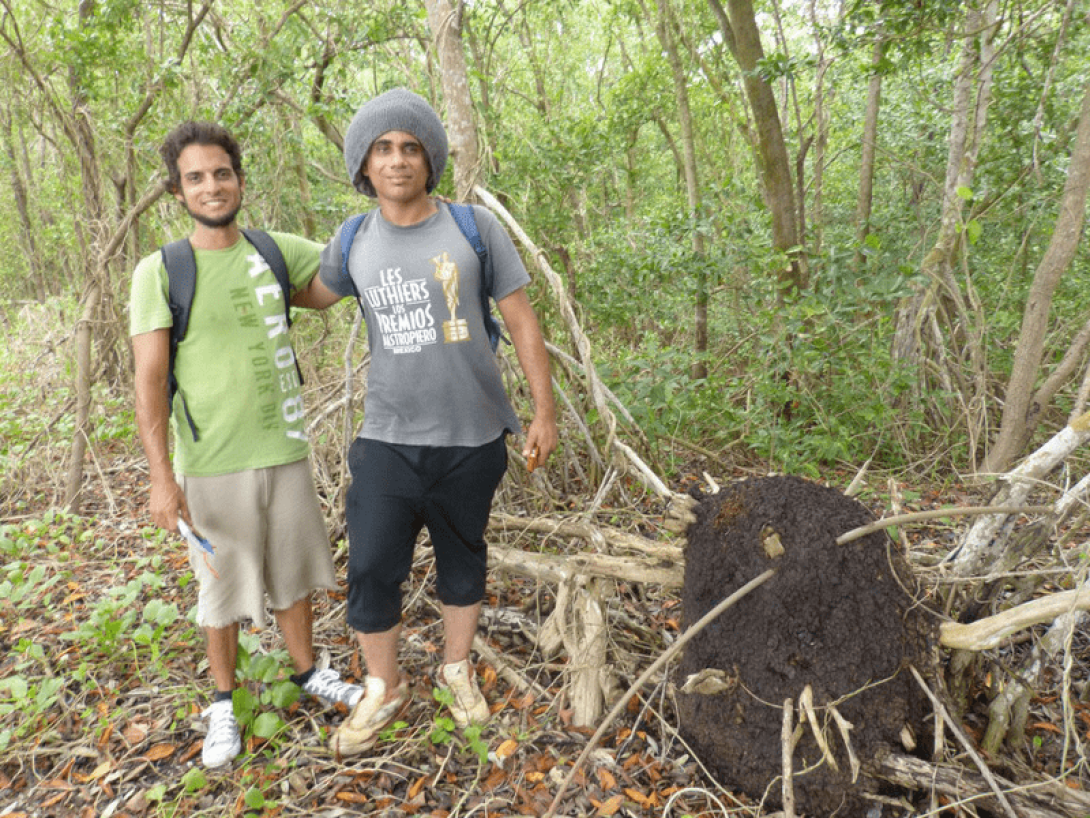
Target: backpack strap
x=348, y=232
x=270, y=251
x=467, y=223
x=181, y=267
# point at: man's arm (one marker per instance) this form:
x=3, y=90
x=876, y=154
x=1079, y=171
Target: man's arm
x=151, y=354
x=521, y=322
x=315, y=295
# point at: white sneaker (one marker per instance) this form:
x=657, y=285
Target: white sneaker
x=328, y=686
x=222, y=742
x=469, y=705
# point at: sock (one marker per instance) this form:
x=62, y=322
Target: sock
x=304, y=677
x=222, y=696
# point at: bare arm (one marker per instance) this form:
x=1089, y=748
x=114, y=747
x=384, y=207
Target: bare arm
x=315, y=295
x=151, y=354
x=522, y=323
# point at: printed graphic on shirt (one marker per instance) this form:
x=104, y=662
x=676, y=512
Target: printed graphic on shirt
x=274, y=361
x=456, y=329
x=403, y=308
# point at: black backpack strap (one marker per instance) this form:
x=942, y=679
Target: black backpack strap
x=181, y=267
x=270, y=251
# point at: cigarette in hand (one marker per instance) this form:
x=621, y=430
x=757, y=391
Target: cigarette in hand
x=531, y=461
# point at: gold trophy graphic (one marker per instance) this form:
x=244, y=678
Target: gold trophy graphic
x=456, y=329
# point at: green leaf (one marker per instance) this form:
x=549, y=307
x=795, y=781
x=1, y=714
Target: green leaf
x=282, y=694
x=194, y=779
x=267, y=725
x=965, y=193
x=255, y=799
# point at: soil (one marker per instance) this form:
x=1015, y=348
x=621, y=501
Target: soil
x=839, y=618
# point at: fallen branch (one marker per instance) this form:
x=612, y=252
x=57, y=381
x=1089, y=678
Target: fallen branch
x=988, y=536
x=990, y=631
x=1044, y=800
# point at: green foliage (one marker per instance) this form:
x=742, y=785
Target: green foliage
x=443, y=729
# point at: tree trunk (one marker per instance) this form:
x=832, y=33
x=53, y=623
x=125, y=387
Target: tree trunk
x=740, y=32
x=73, y=492
x=936, y=324
x=445, y=22
x=1020, y=412
x=866, y=160
x=665, y=30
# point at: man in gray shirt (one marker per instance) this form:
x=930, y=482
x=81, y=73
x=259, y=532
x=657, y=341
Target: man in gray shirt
x=431, y=451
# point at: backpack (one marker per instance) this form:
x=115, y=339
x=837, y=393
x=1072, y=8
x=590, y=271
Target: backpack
x=181, y=267
x=467, y=223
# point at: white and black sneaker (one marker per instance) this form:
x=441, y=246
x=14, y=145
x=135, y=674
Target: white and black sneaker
x=328, y=686
x=222, y=742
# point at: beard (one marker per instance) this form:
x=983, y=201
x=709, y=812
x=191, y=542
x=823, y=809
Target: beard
x=220, y=221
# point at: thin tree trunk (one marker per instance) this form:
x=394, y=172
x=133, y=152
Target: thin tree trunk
x=740, y=32
x=1020, y=411
x=73, y=492
x=665, y=31
x=866, y=161
x=445, y=21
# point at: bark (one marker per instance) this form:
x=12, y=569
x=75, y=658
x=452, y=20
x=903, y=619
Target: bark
x=445, y=21
x=1021, y=412
x=739, y=29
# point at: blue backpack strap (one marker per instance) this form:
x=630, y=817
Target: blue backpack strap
x=181, y=267
x=349, y=228
x=467, y=223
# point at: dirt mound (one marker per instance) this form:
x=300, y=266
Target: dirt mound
x=839, y=618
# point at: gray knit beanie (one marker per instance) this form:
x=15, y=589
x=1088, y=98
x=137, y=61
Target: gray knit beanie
x=396, y=110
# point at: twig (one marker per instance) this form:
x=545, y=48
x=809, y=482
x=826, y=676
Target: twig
x=973, y=754
x=963, y=511
x=787, y=752
x=666, y=656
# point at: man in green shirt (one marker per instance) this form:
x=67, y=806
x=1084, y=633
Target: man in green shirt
x=245, y=481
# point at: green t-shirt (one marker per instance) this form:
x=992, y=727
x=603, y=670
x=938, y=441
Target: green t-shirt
x=235, y=366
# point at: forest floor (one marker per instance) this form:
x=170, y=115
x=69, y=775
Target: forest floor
x=103, y=681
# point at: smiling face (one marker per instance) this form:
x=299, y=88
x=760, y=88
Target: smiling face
x=397, y=167
x=210, y=189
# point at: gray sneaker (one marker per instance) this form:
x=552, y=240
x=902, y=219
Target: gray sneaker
x=328, y=686
x=222, y=742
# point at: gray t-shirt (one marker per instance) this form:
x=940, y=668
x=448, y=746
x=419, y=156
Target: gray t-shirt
x=434, y=380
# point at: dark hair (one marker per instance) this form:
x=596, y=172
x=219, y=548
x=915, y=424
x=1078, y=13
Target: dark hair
x=196, y=133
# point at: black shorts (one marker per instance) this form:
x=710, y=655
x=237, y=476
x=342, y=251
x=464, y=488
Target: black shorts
x=396, y=491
